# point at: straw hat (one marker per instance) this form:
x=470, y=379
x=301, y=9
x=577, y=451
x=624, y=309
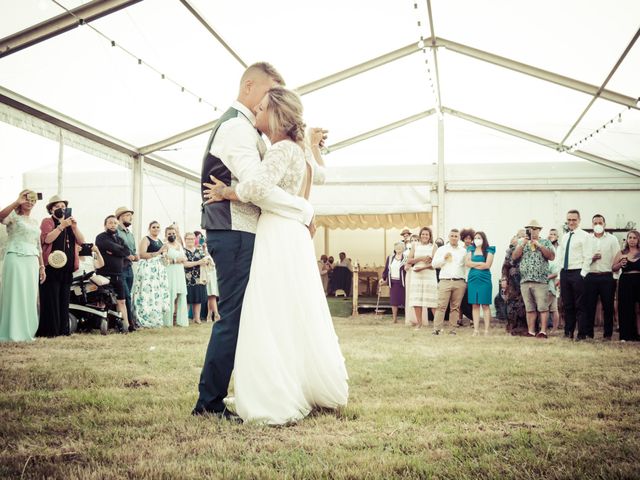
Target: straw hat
x=405, y=231
x=533, y=224
x=56, y=199
x=122, y=211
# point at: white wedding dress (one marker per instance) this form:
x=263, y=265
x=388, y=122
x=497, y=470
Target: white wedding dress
x=288, y=359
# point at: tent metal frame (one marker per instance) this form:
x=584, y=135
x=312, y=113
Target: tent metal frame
x=60, y=24
x=100, y=8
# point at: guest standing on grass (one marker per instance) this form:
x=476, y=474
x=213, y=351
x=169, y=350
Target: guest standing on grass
x=58, y=233
x=150, y=291
x=424, y=285
x=452, y=286
x=466, y=235
x=22, y=268
x=394, y=276
x=601, y=249
x=479, y=260
x=213, y=293
x=125, y=217
x=196, y=288
x=572, y=258
x=628, y=263
x=115, y=253
x=535, y=253
x=175, y=259
x=516, y=315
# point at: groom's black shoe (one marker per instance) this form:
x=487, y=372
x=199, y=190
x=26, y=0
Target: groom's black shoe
x=223, y=415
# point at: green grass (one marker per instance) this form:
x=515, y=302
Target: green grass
x=92, y=407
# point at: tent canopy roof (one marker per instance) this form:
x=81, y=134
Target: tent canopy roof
x=533, y=68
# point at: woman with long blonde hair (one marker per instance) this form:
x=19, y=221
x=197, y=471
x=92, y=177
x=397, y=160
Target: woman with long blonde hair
x=288, y=359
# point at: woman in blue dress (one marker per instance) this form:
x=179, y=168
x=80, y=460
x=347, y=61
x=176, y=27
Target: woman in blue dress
x=479, y=260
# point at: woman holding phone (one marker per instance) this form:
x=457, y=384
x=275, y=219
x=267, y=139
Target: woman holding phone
x=21, y=271
x=59, y=235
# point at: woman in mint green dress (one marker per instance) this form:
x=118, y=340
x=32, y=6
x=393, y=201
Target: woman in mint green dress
x=21, y=270
x=479, y=260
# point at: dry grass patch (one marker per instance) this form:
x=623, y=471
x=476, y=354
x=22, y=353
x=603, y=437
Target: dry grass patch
x=421, y=406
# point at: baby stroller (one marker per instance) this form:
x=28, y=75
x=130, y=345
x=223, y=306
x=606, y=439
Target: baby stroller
x=93, y=306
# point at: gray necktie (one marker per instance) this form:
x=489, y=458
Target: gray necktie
x=262, y=147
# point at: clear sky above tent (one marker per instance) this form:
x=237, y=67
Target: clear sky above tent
x=80, y=73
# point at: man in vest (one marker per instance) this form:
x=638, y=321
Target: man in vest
x=233, y=153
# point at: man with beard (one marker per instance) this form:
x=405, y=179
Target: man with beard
x=125, y=216
x=114, y=252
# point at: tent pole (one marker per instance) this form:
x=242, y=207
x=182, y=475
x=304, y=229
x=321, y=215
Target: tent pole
x=138, y=163
x=326, y=241
x=441, y=177
x=60, y=161
x=384, y=254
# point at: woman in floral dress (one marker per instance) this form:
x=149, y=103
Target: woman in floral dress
x=150, y=290
x=196, y=288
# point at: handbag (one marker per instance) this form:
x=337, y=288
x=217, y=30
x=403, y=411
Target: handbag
x=204, y=273
x=57, y=258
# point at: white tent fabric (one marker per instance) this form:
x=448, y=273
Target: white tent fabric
x=503, y=82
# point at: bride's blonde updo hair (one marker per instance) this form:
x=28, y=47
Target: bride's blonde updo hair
x=285, y=114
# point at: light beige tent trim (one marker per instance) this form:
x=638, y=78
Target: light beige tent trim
x=356, y=221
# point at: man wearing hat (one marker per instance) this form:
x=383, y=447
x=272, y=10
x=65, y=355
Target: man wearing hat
x=125, y=217
x=535, y=253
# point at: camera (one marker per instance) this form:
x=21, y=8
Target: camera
x=85, y=250
x=67, y=212
x=527, y=232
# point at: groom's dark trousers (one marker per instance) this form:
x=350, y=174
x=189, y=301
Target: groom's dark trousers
x=232, y=252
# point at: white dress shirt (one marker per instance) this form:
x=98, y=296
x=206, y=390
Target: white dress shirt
x=578, y=254
x=453, y=268
x=241, y=148
x=608, y=247
x=394, y=268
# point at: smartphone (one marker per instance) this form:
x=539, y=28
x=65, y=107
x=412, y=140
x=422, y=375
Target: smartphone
x=85, y=250
x=39, y=194
x=68, y=212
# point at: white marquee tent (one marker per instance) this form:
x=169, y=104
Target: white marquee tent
x=453, y=112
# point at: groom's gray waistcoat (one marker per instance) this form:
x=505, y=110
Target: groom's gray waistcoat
x=224, y=215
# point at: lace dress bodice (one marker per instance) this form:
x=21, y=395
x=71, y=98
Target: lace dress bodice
x=283, y=166
x=23, y=233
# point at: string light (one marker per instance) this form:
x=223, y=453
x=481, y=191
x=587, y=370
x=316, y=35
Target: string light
x=425, y=50
x=139, y=60
x=586, y=138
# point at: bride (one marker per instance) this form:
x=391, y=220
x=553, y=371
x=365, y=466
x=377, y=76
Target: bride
x=288, y=360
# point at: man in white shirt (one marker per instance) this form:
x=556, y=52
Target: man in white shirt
x=601, y=248
x=233, y=154
x=452, y=286
x=572, y=258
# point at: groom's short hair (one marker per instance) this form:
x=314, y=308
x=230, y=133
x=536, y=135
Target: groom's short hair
x=265, y=68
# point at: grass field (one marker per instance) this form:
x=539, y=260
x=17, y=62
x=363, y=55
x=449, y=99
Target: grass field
x=92, y=407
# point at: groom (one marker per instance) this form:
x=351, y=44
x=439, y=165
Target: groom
x=233, y=153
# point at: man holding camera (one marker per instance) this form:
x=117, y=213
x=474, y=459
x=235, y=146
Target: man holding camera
x=124, y=216
x=535, y=253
